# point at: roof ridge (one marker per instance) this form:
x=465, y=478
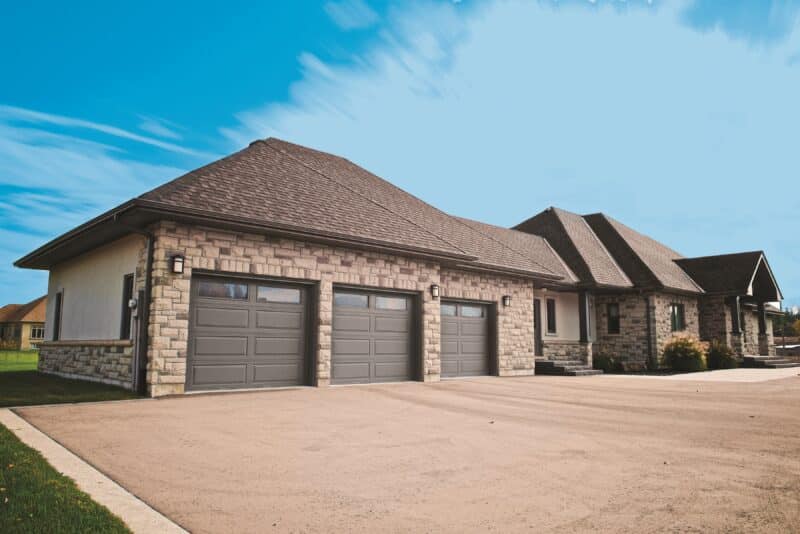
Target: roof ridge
x=514, y=250
x=304, y=164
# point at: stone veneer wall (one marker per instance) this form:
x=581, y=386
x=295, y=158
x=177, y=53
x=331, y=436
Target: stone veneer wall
x=632, y=342
x=567, y=350
x=514, y=342
x=663, y=321
x=255, y=254
x=108, y=362
x=715, y=319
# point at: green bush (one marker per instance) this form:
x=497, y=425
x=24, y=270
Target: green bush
x=720, y=356
x=607, y=363
x=685, y=355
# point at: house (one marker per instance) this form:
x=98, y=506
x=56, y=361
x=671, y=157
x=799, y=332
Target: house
x=22, y=325
x=281, y=265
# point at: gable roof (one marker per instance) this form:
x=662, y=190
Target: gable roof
x=32, y=312
x=736, y=274
x=282, y=188
x=529, y=245
x=578, y=245
x=646, y=261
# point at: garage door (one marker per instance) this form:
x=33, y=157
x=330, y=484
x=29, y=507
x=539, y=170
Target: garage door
x=372, y=337
x=465, y=339
x=246, y=334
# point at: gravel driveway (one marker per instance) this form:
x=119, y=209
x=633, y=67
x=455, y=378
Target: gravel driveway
x=491, y=454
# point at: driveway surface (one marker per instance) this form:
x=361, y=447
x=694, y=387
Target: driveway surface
x=491, y=454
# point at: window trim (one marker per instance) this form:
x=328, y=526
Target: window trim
x=618, y=329
x=34, y=328
x=58, y=306
x=550, y=328
x=677, y=316
x=126, y=322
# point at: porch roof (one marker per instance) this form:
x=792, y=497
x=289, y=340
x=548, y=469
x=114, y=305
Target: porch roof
x=745, y=274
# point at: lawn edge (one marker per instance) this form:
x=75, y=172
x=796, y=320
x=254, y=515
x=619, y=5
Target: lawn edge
x=134, y=512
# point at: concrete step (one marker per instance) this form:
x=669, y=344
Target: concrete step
x=564, y=368
x=769, y=362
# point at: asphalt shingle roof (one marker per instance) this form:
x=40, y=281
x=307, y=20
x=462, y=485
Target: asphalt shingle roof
x=32, y=312
x=281, y=183
x=726, y=273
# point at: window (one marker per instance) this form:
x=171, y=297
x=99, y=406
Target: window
x=37, y=332
x=350, y=300
x=391, y=303
x=677, y=317
x=551, y=316
x=284, y=295
x=449, y=310
x=612, y=311
x=127, y=295
x=471, y=311
x=57, y=315
x=223, y=290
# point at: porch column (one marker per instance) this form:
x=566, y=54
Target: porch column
x=583, y=316
x=762, y=319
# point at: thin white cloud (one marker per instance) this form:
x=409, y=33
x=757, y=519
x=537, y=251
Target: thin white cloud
x=351, y=14
x=682, y=134
x=159, y=127
x=11, y=113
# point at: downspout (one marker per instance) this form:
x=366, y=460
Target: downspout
x=139, y=367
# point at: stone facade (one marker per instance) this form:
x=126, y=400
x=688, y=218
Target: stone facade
x=108, y=362
x=567, y=350
x=632, y=343
x=715, y=319
x=660, y=305
x=716, y=322
x=261, y=255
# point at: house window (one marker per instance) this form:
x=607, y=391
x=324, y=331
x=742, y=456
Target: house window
x=57, y=316
x=37, y=332
x=677, y=317
x=612, y=311
x=471, y=311
x=283, y=295
x=127, y=295
x=391, y=303
x=223, y=290
x=449, y=310
x=551, y=316
x=350, y=300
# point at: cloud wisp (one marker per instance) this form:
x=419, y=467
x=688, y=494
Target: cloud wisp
x=351, y=14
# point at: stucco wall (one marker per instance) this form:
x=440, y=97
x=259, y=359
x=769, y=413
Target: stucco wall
x=92, y=291
x=567, y=319
x=254, y=254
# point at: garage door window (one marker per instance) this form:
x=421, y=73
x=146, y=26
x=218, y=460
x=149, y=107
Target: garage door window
x=285, y=295
x=449, y=310
x=390, y=303
x=471, y=311
x=223, y=290
x=350, y=300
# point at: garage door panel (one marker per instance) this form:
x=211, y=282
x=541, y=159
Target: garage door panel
x=208, y=375
x=283, y=373
x=346, y=347
x=351, y=323
x=372, y=333
x=391, y=324
x=222, y=346
x=350, y=371
x=243, y=342
x=391, y=346
x=223, y=317
x=275, y=345
x=465, y=340
x=279, y=320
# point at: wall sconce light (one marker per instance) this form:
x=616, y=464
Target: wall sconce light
x=435, y=291
x=506, y=300
x=177, y=264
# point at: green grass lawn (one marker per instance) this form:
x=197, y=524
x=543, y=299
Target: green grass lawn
x=34, y=497
x=18, y=360
x=26, y=388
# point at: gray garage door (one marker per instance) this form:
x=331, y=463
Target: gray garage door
x=246, y=334
x=465, y=339
x=372, y=337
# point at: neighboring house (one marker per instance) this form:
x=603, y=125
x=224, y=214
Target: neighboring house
x=640, y=294
x=22, y=325
x=281, y=265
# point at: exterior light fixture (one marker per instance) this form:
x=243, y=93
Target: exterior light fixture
x=506, y=300
x=435, y=291
x=177, y=264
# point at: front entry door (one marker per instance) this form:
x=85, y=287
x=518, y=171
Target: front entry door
x=537, y=327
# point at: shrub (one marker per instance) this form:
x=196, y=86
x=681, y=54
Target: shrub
x=684, y=354
x=720, y=356
x=607, y=363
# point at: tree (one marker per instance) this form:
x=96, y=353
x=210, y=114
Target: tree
x=796, y=327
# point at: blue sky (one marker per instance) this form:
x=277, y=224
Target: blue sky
x=678, y=118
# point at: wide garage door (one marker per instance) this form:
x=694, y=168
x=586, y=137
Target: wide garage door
x=372, y=337
x=465, y=339
x=246, y=334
